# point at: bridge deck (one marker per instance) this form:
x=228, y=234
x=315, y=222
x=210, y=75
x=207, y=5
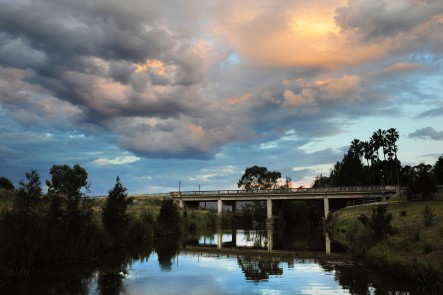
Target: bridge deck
x=297, y=193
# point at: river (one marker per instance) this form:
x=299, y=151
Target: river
x=290, y=261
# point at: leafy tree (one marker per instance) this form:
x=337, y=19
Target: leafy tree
x=168, y=220
x=259, y=178
x=114, y=214
x=438, y=170
x=67, y=181
x=67, y=189
x=321, y=181
x=425, y=181
x=6, y=184
x=380, y=222
x=348, y=172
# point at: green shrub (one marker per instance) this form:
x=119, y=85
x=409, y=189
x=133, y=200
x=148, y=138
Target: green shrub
x=354, y=236
x=411, y=232
x=403, y=213
x=428, y=216
x=427, y=246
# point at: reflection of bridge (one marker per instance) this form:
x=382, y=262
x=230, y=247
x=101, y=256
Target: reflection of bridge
x=276, y=196
x=246, y=241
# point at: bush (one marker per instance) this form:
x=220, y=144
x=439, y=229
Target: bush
x=428, y=216
x=411, y=233
x=380, y=222
x=354, y=236
x=427, y=246
x=403, y=213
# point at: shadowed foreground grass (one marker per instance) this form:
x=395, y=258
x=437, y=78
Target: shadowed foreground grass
x=414, y=249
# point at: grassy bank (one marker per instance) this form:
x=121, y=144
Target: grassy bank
x=413, y=246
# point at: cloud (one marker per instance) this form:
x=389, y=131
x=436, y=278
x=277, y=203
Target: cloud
x=116, y=161
x=375, y=19
x=436, y=112
x=427, y=133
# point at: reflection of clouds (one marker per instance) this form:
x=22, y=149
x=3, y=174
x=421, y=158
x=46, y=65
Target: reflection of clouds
x=199, y=274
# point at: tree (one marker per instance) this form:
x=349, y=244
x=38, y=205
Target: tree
x=392, y=136
x=259, y=178
x=69, y=186
x=425, y=182
x=321, y=181
x=67, y=181
x=348, y=172
x=420, y=180
x=380, y=222
x=6, y=184
x=438, y=170
x=30, y=190
x=168, y=220
x=114, y=214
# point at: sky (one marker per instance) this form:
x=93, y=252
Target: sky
x=190, y=93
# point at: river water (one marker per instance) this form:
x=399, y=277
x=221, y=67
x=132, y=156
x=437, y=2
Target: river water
x=222, y=262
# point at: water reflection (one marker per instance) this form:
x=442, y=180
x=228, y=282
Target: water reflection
x=300, y=239
x=234, y=262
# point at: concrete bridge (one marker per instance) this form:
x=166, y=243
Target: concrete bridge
x=275, y=197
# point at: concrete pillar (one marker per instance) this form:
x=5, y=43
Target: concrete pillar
x=270, y=236
x=219, y=238
x=219, y=207
x=326, y=206
x=181, y=205
x=327, y=244
x=269, y=220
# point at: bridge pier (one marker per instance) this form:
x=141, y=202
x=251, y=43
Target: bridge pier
x=326, y=207
x=269, y=219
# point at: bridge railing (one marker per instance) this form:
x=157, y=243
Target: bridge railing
x=377, y=188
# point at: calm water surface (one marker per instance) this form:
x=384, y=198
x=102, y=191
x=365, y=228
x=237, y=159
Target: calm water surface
x=224, y=262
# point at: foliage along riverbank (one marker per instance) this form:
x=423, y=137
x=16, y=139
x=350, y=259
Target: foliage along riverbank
x=39, y=229
x=402, y=238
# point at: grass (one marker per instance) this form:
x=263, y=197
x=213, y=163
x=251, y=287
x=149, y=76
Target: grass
x=415, y=245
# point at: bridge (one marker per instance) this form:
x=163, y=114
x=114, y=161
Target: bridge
x=275, y=197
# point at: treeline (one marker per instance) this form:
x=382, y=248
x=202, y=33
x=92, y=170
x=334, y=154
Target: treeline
x=375, y=162
x=65, y=224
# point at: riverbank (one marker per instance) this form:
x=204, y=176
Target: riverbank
x=413, y=248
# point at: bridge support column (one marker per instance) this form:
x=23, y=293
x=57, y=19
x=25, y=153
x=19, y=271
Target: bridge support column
x=219, y=207
x=327, y=244
x=219, y=238
x=269, y=220
x=270, y=236
x=181, y=204
x=326, y=206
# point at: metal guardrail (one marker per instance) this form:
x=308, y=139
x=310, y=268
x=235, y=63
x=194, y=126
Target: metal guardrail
x=366, y=200
x=377, y=188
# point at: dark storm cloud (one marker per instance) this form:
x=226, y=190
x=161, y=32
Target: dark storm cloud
x=373, y=19
x=427, y=133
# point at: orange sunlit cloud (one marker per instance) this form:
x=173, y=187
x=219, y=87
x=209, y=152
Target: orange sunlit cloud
x=152, y=64
x=302, y=36
x=239, y=99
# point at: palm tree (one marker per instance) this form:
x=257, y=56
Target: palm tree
x=368, y=152
x=392, y=136
x=357, y=147
x=379, y=138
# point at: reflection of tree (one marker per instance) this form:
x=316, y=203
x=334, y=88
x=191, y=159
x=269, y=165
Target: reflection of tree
x=110, y=281
x=166, y=249
x=359, y=279
x=257, y=268
x=112, y=269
